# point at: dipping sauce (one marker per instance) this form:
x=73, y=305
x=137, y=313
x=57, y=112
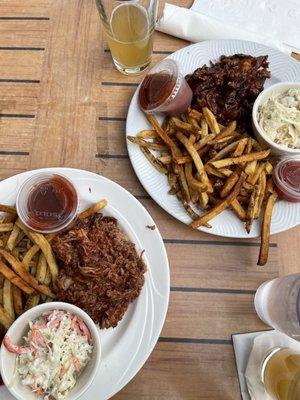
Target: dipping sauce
x=47, y=203
x=279, y=117
x=165, y=90
x=287, y=179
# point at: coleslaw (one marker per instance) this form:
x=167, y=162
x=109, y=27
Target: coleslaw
x=56, y=349
x=279, y=117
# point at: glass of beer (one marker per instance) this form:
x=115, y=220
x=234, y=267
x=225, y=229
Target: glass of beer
x=277, y=303
x=280, y=374
x=129, y=28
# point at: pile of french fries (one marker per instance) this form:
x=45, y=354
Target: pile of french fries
x=28, y=268
x=212, y=167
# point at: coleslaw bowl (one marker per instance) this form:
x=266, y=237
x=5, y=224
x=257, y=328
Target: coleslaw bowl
x=260, y=134
x=20, y=327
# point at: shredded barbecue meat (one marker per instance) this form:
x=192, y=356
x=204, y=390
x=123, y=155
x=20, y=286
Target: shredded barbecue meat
x=101, y=271
x=229, y=87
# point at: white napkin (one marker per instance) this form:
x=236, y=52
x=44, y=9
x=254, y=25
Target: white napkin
x=195, y=26
x=261, y=345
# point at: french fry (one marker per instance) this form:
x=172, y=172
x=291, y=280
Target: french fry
x=204, y=128
x=251, y=167
x=266, y=227
x=270, y=186
x=8, y=298
x=154, y=161
x=5, y=319
x=238, y=209
x=183, y=185
x=229, y=183
x=251, y=208
x=29, y=255
x=268, y=168
x=17, y=299
x=254, y=177
x=20, y=269
x=93, y=209
x=6, y=227
x=191, y=181
x=8, y=209
x=225, y=151
x=222, y=205
x=145, y=143
x=148, y=134
x=15, y=279
x=228, y=130
x=162, y=134
x=259, y=155
x=204, y=141
x=12, y=240
x=166, y=160
x=32, y=301
x=262, y=190
x=182, y=126
x=197, y=160
x=211, y=120
x=195, y=114
x=240, y=147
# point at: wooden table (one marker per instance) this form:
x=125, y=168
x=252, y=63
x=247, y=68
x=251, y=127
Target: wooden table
x=62, y=103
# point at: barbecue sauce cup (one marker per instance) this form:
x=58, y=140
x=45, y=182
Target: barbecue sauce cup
x=47, y=203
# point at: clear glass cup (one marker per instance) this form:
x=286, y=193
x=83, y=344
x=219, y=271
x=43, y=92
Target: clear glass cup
x=277, y=303
x=280, y=374
x=129, y=29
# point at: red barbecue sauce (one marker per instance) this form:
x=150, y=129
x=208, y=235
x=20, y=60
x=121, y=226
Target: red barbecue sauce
x=287, y=179
x=158, y=93
x=50, y=203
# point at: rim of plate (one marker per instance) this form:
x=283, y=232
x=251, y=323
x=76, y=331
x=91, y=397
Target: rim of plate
x=216, y=46
x=142, y=353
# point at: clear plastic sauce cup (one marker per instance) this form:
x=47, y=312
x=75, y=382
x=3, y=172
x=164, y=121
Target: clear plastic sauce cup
x=164, y=89
x=47, y=202
x=286, y=177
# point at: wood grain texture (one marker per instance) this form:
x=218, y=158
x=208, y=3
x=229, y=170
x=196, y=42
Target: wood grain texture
x=66, y=105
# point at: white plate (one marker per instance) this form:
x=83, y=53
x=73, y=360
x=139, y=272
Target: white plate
x=283, y=68
x=126, y=347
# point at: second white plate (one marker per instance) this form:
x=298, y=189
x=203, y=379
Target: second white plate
x=283, y=68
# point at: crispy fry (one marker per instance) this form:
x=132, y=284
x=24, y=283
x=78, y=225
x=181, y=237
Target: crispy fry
x=222, y=205
x=254, y=178
x=8, y=298
x=12, y=240
x=238, y=209
x=260, y=155
x=240, y=147
x=225, y=151
x=32, y=301
x=211, y=120
x=17, y=298
x=197, y=160
x=192, y=214
x=229, y=183
x=182, y=126
x=145, y=143
x=228, y=130
x=93, y=209
x=154, y=161
x=8, y=209
x=192, y=182
x=251, y=208
x=204, y=128
x=251, y=167
x=148, y=134
x=262, y=182
x=166, y=160
x=268, y=168
x=266, y=227
x=15, y=279
x=20, y=269
x=270, y=186
x=6, y=227
x=183, y=185
x=5, y=319
x=195, y=114
x=28, y=256
x=204, y=141
x=162, y=134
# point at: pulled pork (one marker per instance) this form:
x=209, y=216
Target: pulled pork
x=229, y=87
x=101, y=271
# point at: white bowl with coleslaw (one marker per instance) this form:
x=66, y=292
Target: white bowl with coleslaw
x=284, y=129
x=20, y=328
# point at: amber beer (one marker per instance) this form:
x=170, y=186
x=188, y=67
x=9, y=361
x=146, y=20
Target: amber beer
x=281, y=374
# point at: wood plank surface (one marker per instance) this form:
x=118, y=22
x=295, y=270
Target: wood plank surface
x=62, y=103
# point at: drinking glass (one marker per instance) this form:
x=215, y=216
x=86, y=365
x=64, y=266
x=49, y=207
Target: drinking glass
x=277, y=303
x=280, y=374
x=129, y=29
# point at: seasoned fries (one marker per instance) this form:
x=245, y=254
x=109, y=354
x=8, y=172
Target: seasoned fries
x=209, y=166
x=265, y=234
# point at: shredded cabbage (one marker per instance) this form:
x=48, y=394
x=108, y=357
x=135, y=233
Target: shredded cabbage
x=279, y=117
x=58, y=351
